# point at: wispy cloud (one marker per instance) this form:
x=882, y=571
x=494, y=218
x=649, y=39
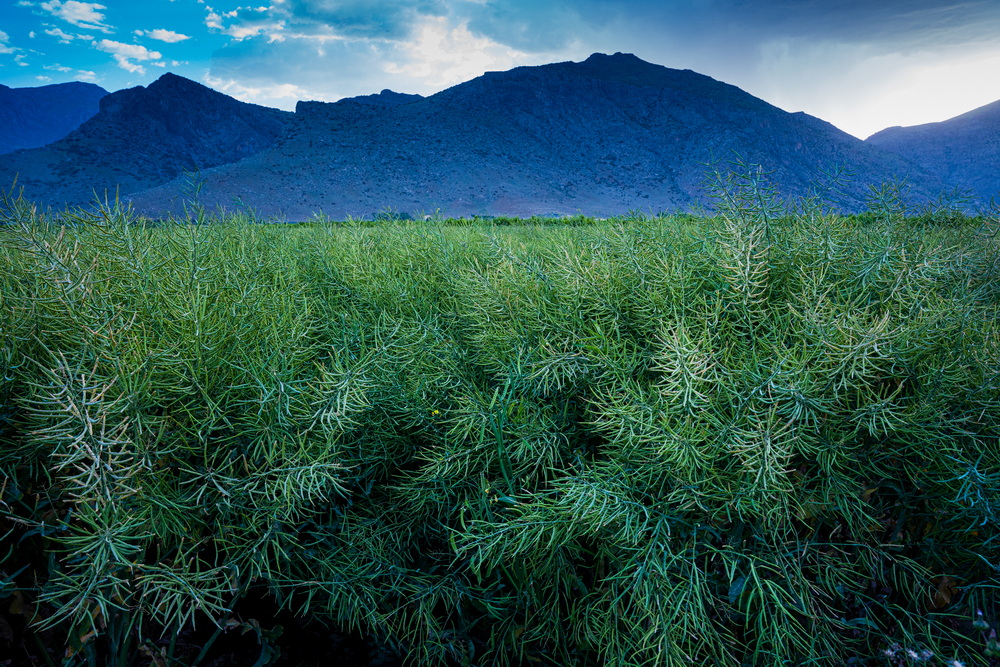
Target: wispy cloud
x=66, y=38
x=125, y=54
x=159, y=34
x=4, y=46
x=277, y=91
x=407, y=45
x=246, y=22
x=441, y=54
x=81, y=14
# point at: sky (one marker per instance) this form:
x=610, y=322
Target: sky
x=862, y=65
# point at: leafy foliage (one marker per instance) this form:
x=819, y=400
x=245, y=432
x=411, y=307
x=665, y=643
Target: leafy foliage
x=765, y=437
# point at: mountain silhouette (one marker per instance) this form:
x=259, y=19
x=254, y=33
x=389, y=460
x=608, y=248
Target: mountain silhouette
x=963, y=152
x=603, y=136
x=33, y=117
x=142, y=137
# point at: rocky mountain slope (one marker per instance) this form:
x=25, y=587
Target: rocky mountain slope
x=33, y=117
x=963, y=151
x=606, y=135
x=142, y=137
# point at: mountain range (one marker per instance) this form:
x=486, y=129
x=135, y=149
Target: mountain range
x=602, y=136
x=963, y=152
x=33, y=117
x=142, y=137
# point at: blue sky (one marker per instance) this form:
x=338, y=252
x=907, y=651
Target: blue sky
x=860, y=64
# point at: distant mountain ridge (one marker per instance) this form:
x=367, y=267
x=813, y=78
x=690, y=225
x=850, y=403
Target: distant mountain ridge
x=142, y=137
x=603, y=136
x=964, y=151
x=34, y=117
x=607, y=135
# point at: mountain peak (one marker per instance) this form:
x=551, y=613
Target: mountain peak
x=144, y=136
x=36, y=116
x=387, y=98
x=963, y=150
x=605, y=135
x=629, y=69
x=617, y=57
x=174, y=82
x=609, y=134
x=170, y=96
x=170, y=76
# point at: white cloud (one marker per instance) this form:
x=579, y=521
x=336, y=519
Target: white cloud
x=129, y=66
x=19, y=59
x=4, y=47
x=86, y=75
x=31, y=34
x=212, y=19
x=442, y=55
x=134, y=51
x=168, y=36
x=81, y=14
x=265, y=94
x=245, y=22
x=413, y=46
x=57, y=68
x=66, y=38
x=436, y=52
x=42, y=77
x=125, y=54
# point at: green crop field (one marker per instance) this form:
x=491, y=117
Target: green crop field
x=764, y=436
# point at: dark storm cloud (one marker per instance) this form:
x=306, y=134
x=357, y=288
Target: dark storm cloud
x=865, y=20
x=727, y=26
x=530, y=24
x=381, y=19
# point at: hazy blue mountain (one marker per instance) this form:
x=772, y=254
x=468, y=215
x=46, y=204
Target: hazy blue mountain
x=603, y=136
x=964, y=151
x=142, y=137
x=33, y=117
x=606, y=135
